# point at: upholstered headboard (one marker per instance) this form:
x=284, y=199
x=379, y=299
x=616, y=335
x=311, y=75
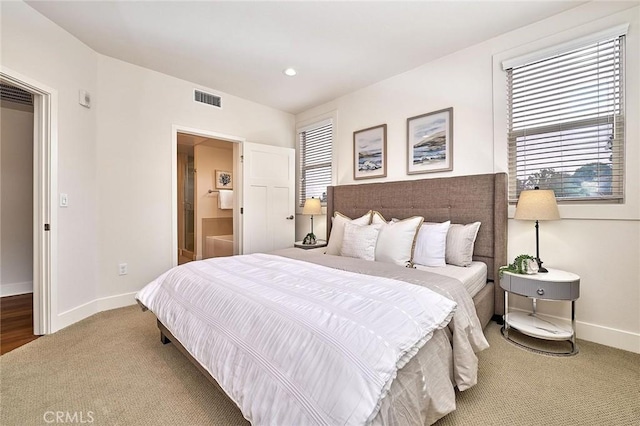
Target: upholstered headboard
x=460, y=199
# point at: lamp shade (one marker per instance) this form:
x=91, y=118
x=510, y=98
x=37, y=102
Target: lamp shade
x=312, y=206
x=537, y=204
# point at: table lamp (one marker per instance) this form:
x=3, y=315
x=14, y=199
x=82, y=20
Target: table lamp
x=537, y=204
x=311, y=206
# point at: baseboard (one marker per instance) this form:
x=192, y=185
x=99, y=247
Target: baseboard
x=619, y=339
x=74, y=315
x=13, y=289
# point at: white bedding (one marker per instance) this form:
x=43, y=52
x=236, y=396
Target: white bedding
x=293, y=342
x=472, y=277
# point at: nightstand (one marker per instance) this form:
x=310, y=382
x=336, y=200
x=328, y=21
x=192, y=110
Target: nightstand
x=554, y=285
x=318, y=244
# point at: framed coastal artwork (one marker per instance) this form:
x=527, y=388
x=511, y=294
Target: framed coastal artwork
x=224, y=180
x=370, y=152
x=430, y=142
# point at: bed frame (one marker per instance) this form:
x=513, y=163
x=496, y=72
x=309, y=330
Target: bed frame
x=460, y=199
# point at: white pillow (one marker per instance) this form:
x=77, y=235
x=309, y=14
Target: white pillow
x=337, y=230
x=360, y=241
x=396, y=239
x=430, y=244
x=460, y=242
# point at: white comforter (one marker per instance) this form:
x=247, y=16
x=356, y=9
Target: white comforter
x=294, y=343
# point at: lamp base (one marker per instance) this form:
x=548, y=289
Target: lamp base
x=541, y=269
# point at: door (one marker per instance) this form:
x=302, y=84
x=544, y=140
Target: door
x=268, y=198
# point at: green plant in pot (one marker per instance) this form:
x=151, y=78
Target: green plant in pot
x=310, y=238
x=522, y=264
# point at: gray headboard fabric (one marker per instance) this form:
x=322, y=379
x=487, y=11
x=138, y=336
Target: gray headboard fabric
x=460, y=199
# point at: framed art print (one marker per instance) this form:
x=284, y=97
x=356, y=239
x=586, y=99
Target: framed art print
x=430, y=142
x=224, y=180
x=370, y=152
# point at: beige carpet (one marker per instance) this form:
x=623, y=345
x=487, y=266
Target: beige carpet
x=112, y=369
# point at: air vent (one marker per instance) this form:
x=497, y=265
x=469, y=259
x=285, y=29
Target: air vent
x=14, y=94
x=208, y=98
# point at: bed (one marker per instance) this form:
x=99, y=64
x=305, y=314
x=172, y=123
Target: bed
x=406, y=381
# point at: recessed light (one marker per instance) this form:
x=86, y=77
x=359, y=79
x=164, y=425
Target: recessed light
x=290, y=72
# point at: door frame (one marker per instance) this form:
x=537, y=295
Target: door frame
x=237, y=160
x=45, y=188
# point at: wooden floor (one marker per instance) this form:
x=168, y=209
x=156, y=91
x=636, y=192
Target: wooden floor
x=16, y=322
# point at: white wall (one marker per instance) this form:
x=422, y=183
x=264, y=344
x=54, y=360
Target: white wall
x=115, y=159
x=136, y=111
x=600, y=243
x=35, y=47
x=16, y=190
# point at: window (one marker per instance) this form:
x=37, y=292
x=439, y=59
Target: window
x=566, y=123
x=315, y=145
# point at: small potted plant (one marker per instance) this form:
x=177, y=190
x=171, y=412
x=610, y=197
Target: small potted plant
x=522, y=264
x=309, y=239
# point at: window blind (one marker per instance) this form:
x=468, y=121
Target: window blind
x=566, y=123
x=315, y=161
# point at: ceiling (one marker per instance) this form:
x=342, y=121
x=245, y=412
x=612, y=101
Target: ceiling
x=241, y=48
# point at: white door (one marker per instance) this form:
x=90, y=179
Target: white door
x=268, y=198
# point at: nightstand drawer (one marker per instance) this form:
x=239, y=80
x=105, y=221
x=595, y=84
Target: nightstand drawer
x=528, y=286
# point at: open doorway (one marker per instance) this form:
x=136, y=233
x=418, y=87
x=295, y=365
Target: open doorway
x=205, y=197
x=16, y=217
x=43, y=188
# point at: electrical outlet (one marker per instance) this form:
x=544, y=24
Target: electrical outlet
x=122, y=269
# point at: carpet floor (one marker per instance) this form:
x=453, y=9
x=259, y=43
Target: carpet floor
x=111, y=369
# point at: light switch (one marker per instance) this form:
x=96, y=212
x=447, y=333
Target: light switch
x=123, y=269
x=64, y=200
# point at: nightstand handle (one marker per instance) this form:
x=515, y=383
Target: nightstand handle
x=540, y=291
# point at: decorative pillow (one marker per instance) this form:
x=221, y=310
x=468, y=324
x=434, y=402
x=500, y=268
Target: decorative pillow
x=460, y=242
x=337, y=230
x=360, y=241
x=430, y=244
x=396, y=239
